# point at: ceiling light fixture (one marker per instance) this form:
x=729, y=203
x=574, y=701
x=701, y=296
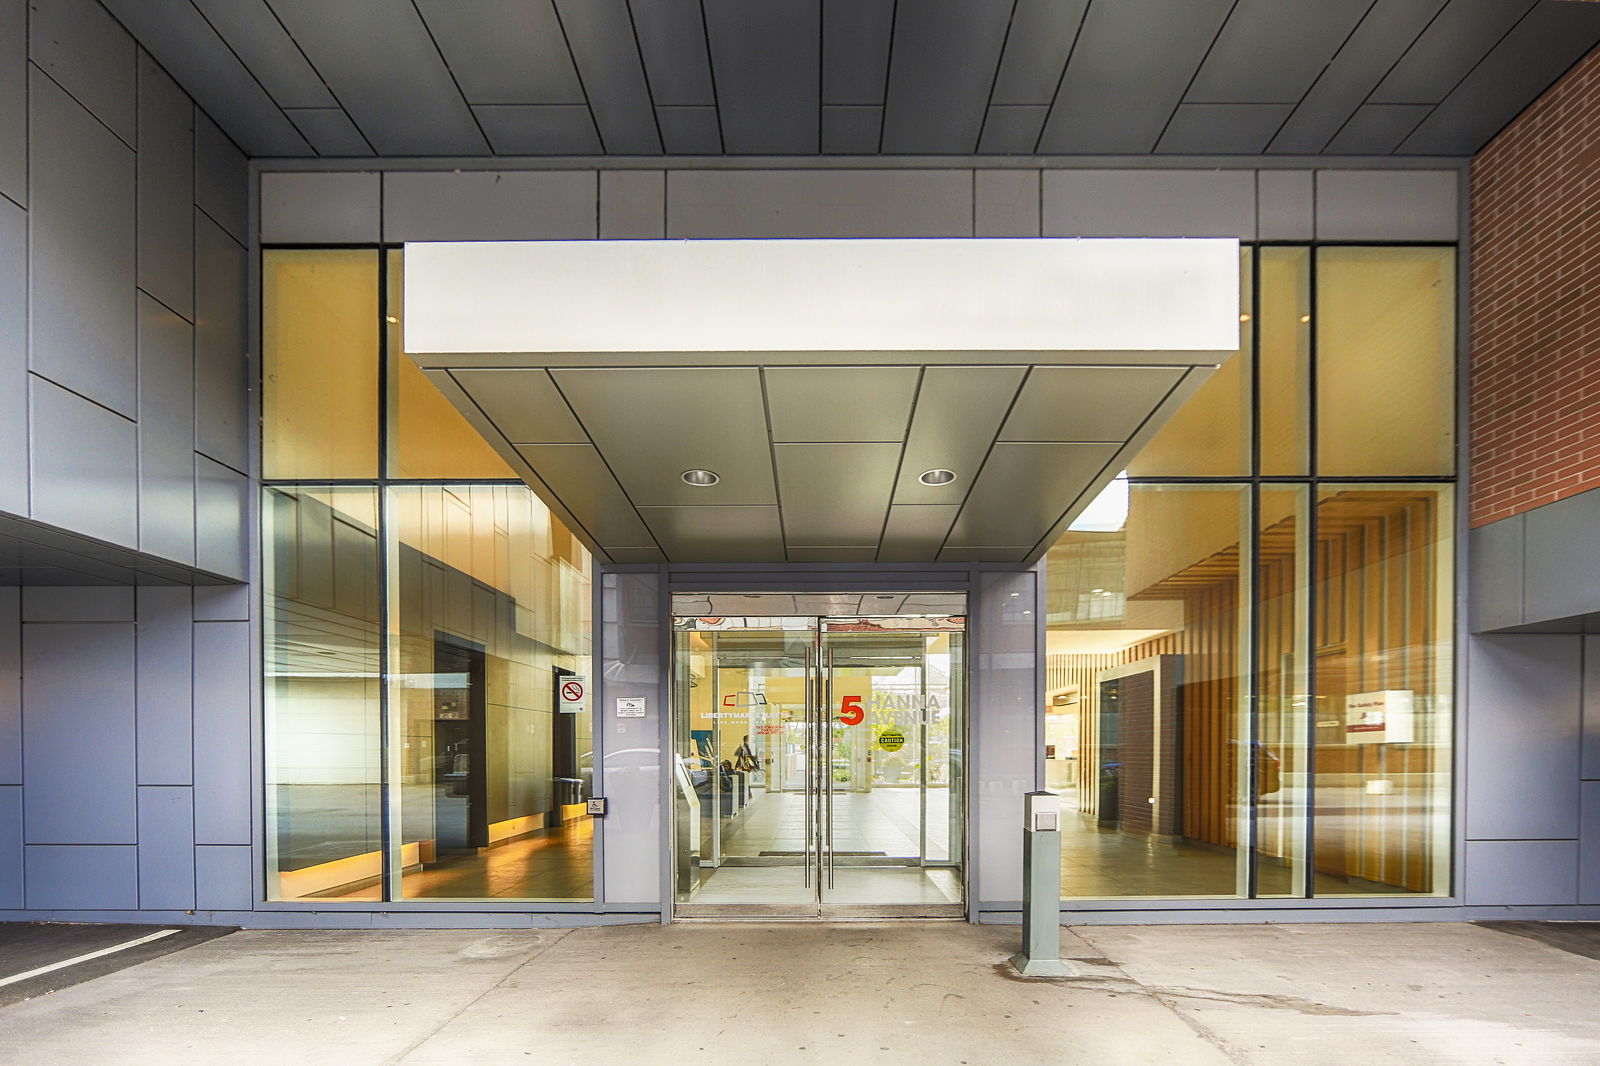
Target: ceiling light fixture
x=701, y=479
x=938, y=476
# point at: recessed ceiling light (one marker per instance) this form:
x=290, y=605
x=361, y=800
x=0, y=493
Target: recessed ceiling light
x=700, y=479
x=937, y=477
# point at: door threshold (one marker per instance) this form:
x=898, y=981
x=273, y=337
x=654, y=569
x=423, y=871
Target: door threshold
x=811, y=912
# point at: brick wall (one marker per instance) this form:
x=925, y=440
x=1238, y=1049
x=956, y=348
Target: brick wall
x=1536, y=303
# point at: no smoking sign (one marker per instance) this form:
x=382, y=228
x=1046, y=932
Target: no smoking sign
x=574, y=695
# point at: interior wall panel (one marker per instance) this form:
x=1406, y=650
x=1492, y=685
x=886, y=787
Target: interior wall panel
x=11, y=687
x=222, y=733
x=81, y=47
x=166, y=431
x=85, y=466
x=221, y=369
x=164, y=691
x=166, y=848
x=165, y=197
x=14, y=100
x=78, y=877
x=13, y=359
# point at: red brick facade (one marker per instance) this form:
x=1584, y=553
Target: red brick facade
x=1536, y=303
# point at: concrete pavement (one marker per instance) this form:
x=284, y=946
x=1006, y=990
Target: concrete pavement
x=927, y=993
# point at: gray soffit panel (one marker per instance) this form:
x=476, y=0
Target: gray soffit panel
x=812, y=458
x=831, y=77
x=769, y=85
x=504, y=51
x=945, y=55
x=185, y=44
x=357, y=46
x=32, y=553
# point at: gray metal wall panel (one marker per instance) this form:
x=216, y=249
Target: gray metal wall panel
x=221, y=370
x=166, y=849
x=1387, y=205
x=1590, y=763
x=222, y=878
x=13, y=357
x=166, y=431
x=319, y=208
x=219, y=516
x=633, y=204
x=222, y=603
x=223, y=758
x=1285, y=205
x=166, y=189
x=490, y=206
x=80, y=250
x=10, y=847
x=1002, y=728
x=819, y=203
x=86, y=52
x=1507, y=873
x=51, y=603
x=78, y=734
x=1149, y=203
x=82, y=877
x=164, y=690
x=1005, y=203
x=10, y=686
x=1561, y=559
x=631, y=666
x=85, y=466
x=14, y=100
x=1494, y=585
x=1589, y=845
x=1521, y=767
x=220, y=178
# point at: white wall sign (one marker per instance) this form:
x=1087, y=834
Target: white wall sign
x=574, y=694
x=1380, y=717
x=630, y=706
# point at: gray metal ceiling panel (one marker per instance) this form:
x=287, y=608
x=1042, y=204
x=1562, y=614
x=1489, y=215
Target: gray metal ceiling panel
x=1380, y=40
x=263, y=45
x=1041, y=38
x=1133, y=61
x=186, y=45
x=504, y=51
x=1541, y=48
x=1020, y=494
x=943, y=62
x=819, y=203
x=766, y=60
x=1462, y=34
x=959, y=412
x=1010, y=554
x=717, y=534
x=1060, y=403
x=1222, y=129
x=1377, y=129
x=864, y=554
x=637, y=555
x=914, y=533
x=539, y=129
x=330, y=131
x=835, y=494
x=523, y=405
x=851, y=130
x=855, y=50
x=600, y=33
x=672, y=39
x=358, y=46
x=1012, y=130
x=690, y=130
x=847, y=403
x=652, y=425
x=1271, y=51
x=576, y=474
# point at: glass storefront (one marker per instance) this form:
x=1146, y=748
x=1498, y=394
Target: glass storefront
x=1249, y=671
x=417, y=633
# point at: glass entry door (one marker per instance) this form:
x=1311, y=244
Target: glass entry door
x=817, y=766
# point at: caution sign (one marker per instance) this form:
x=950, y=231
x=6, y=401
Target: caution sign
x=574, y=695
x=891, y=740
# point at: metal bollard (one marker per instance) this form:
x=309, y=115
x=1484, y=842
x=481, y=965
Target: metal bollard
x=1041, y=890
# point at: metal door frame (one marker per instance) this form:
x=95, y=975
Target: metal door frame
x=818, y=857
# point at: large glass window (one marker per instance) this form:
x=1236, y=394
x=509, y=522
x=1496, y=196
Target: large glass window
x=1249, y=668
x=418, y=635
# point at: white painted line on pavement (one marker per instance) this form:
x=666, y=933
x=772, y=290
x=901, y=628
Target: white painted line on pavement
x=26, y=974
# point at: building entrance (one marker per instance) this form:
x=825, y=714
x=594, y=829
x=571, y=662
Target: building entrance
x=818, y=765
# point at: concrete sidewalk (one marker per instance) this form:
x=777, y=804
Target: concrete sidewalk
x=922, y=993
